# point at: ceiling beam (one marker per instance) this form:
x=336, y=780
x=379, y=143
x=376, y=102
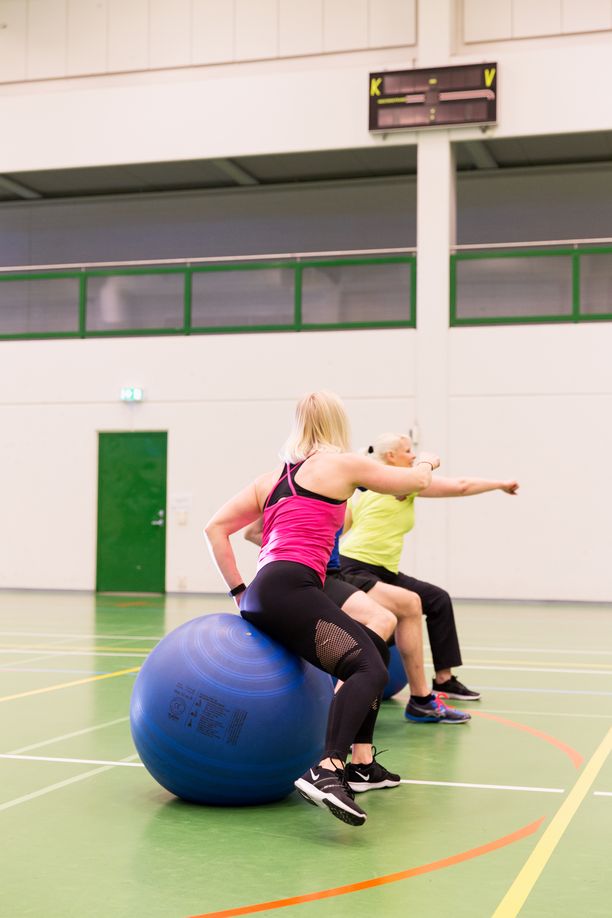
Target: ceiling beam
x=22, y=191
x=481, y=157
x=232, y=170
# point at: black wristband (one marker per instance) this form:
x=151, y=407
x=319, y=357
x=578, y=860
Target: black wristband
x=237, y=590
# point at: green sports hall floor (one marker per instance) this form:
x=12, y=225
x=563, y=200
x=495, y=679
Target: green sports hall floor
x=509, y=814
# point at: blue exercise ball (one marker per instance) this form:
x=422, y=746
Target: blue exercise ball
x=397, y=674
x=222, y=714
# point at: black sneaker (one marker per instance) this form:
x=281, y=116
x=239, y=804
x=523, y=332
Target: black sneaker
x=452, y=688
x=326, y=788
x=362, y=778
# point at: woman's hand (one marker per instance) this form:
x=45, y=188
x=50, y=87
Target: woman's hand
x=509, y=487
x=433, y=460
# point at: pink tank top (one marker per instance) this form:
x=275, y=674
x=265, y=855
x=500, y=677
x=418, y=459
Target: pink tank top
x=299, y=527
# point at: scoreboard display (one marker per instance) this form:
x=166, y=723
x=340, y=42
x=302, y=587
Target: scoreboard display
x=405, y=99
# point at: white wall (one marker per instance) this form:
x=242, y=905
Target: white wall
x=226, y=418
x=504, y=20
x=530, y=402
x=526, y=402
x=290, y=105
x=42, y=39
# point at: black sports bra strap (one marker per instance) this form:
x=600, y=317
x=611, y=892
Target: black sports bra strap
x=283, y=477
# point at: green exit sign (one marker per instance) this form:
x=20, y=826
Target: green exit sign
x=131, y=394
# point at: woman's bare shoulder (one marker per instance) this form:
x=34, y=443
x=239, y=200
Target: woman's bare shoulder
x=265, y=482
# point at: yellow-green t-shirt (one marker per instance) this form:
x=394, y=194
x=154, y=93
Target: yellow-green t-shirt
x=380, y=522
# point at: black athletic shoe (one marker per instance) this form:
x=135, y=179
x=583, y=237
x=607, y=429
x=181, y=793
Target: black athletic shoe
x=362, y=778
x=326, y=788
x=452, y=688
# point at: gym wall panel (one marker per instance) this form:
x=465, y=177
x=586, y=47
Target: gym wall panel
x=169, y=33
x=86, y=36
x=300, y=27
x=128, y=35
x=256, y=29
x=39, y=443
x=221, y=432
x=345, y=24
x=13, y=39
x=531, y=360
x=548, y=542
x=109, y=133
x=391, y=22
x=529, y=403
x=486, y=21
x=581, y=16
x=212, y=34
x=46, y=39
x=530, y=19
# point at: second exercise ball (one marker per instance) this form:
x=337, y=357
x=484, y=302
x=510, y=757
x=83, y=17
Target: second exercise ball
x=397, y=674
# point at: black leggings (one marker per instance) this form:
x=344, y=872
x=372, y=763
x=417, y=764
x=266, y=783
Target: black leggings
x=437, y=608
x=286, y=600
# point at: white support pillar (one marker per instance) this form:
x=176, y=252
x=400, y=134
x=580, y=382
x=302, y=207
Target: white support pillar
x=436, y=221
x=435, y=236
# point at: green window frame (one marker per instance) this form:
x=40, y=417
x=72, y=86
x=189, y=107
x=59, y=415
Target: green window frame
x=577, y=314
x=188, y=271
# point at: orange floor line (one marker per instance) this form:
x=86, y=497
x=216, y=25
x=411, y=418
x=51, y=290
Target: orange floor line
x=576, y=758
x=502, y=842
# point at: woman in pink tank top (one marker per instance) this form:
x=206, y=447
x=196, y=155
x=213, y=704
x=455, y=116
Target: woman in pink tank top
x=303, y=507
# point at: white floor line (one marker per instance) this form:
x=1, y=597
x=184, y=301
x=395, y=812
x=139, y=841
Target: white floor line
x=543, y=650
x=79, y=653
x=511, y=787
x=65, y=736
x=5, y=667
x=39, y=669
x=47, y=758
x=83, y=636
x=53, y=787
x=581, y=715
x=39, y=655
x=536, y=690
x=538, y=669
x=602, y=793
x=126, y=762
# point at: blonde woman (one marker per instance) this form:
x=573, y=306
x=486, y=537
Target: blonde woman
x=370, y=552
x=303, y=506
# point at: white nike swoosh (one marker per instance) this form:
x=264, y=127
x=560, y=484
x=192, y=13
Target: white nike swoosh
x=365, y=777
x=312, y=775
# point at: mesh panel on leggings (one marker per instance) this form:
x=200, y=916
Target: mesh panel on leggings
x=332, y=643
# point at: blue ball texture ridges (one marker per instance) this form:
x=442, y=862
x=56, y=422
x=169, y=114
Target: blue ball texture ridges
x=222, y=714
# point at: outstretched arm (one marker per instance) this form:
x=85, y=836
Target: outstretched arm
x=238, y=512
x=387, y=479
x=466, y=487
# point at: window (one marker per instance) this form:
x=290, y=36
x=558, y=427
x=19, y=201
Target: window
x=40, y=305
x=348, y=293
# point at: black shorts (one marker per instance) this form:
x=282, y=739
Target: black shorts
x=361, y=579
x=337, y=587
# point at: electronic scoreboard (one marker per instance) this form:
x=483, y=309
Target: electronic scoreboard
x=405, y=99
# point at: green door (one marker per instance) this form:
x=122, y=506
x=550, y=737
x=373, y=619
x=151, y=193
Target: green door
x=132, y=512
